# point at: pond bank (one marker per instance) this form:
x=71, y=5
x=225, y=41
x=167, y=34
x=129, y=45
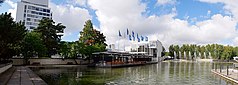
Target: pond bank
x=232, y=75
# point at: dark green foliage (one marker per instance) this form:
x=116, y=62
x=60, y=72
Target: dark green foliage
x=93, y=40
x=11, y=36
x=33, y=45
x=49, y=31
x=217, y=51
x=90, y=41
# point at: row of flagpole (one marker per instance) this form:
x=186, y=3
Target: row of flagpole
x=131, y=37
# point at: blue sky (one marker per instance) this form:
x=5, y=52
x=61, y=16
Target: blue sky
x=170, y=21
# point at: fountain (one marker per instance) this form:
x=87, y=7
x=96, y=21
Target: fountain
x=205, y=56
x=180, y=54
x=189, y=54
x=200, y=55
x=175, y=57
x=195, y=55
x=210, y=56
x=184, y=55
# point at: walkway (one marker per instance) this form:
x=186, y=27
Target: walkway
x=232, y=74
x=25, y=76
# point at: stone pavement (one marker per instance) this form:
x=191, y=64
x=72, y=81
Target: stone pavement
x=25, y=76
x=232, y=74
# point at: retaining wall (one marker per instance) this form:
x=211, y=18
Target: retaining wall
x=4, y=68
x=50, y=61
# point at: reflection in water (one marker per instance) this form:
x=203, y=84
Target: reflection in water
x=164, y=73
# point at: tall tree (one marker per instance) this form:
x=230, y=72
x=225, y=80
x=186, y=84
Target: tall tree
x=171, y=50
x=93, y=40
x=87, y=35
x=49, y=31
x=11, y=35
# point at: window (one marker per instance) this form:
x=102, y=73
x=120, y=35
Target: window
x=37, y=9
x=48, y=11
x=25, y=7
x=32, y=27
x=44, y=10
x=29, y=7
x=28, y=23
x=28, y=19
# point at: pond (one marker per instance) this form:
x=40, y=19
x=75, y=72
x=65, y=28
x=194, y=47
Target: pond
x=163, y=73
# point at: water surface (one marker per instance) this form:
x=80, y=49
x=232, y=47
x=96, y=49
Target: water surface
x=163, y=73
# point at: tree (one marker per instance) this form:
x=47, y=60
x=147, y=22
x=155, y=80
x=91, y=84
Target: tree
x=11, y=35
x=100, y=38
x=87, y=36
x=227, y=53
x=176, y=49
x=93, y=40
x=49, y=33
x=33, y=45
x=171, y=50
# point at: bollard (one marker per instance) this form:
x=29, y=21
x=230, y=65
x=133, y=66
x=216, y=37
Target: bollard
x=220, y=68
x=227, y=70
x=215, y=67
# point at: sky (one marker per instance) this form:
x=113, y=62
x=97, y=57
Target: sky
x=169, y=21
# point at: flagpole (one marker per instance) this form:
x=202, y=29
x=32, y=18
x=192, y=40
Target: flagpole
x=124, y=42
x=118, y=43
x=119, y=40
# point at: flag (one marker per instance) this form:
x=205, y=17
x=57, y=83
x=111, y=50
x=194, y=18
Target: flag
x=129, y=37
x=138, y=38
x=146, y=38
x=142, y=38
x=127, y=31
x=119, y=33
x=133, y=36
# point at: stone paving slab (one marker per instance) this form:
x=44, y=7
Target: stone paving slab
x=25, y=76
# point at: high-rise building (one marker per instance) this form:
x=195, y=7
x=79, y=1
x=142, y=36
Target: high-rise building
x=30, y=12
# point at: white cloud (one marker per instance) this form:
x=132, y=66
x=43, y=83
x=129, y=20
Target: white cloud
x=117, y=15
x=164, y=2
x=13, y=8
x=72, y=17
x=229, y=5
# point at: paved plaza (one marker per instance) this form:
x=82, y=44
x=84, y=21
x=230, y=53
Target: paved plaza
x=24, y=76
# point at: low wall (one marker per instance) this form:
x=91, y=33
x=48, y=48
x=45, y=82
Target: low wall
x=50, y=61
x=4, y=68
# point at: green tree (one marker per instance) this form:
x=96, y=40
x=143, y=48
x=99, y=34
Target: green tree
x=182, y=49
x=227, y=53
x=203, y=49
x=49, y=31
x=171, y=50
x=176, y=49
x=93, y=40
x=33, y=46
x=87, y=35
x=11, y=35
x=236, y=51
